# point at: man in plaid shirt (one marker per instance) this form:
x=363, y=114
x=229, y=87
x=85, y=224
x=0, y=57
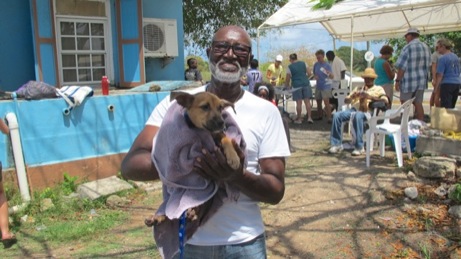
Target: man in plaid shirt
x=413, y=66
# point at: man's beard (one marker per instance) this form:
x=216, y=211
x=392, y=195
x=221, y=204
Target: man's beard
x=227, y=77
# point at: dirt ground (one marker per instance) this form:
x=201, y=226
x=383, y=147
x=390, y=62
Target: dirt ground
x=334, y=207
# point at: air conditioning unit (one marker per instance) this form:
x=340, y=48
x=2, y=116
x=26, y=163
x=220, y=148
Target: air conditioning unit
x=160, y=38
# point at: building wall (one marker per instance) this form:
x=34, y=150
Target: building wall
x=16, y=44
x=25, y=24
x=88, y=142
x=91, y=141
x=155, y=67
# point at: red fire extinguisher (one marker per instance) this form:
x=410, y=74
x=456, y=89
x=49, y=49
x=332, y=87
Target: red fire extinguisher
x=105, y=85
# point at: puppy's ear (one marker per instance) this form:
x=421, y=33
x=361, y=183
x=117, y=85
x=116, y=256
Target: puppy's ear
x=183, y=99
x=226, y=104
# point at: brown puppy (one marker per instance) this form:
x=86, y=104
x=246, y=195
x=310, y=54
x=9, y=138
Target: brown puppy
x=204, y=111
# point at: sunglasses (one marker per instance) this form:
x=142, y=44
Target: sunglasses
x=222, y=47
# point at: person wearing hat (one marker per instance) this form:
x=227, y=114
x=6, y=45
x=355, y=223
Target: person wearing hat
x=448, y=80
x=274, y=74
x=413, y=67
x=359, y=99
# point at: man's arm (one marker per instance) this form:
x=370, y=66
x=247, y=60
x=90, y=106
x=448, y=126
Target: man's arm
x=288, y=80
x=137, y=164
x=268, y=187
x=433, y=72
x=399, y=77
x=269, y=73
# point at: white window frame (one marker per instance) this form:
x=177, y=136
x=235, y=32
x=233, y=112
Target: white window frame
x=107, y=42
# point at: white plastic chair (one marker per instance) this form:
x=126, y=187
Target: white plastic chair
x=388, y=128
x=341, y=95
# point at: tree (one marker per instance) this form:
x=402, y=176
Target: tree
x=360, y=63
x=203, y=17
x=430, y=40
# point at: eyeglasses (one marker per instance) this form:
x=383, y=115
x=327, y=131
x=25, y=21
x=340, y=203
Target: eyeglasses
x=222, y=47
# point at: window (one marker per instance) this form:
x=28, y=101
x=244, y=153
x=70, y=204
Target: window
x=82, y=41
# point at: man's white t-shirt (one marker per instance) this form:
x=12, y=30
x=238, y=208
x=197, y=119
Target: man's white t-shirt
x=337, y=65
x=263, y=132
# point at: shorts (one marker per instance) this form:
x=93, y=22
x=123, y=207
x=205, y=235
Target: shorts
x=418, y=94
x=449, y=95
x=323, y=94
x=302, y=93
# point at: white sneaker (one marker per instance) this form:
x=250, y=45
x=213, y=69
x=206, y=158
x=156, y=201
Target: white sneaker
x=335, y=149
x=358, y=152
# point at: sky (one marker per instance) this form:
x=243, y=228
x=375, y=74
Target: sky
x=311, y=36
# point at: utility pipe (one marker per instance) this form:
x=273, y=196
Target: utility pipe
x=18, y=156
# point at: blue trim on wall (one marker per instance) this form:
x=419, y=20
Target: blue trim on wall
x=131, y=62
x=116, y=68
x=44, y=19
x=91, y=130
x=48, y=63
x=129, y=19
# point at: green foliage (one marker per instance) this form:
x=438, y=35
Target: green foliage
x=69, y=218
x=360, y=63
x=425, y=250
x=69, y=185
x=456, y=194
x=429, y=39
x=203, y=17
x=80, y=225
x=324, y=4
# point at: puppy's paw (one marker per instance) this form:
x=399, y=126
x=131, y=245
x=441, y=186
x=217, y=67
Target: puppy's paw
x=191, y=214
x=233, y=160
x=154, y=220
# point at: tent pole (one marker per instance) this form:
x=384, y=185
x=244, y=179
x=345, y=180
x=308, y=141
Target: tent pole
x=334, y=43
x=257, y=40
x=352, y=51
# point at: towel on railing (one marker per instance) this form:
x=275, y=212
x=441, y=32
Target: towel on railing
x=74, y=95
x=176, y=146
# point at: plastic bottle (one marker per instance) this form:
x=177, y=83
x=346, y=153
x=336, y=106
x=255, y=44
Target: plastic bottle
x=105, y=85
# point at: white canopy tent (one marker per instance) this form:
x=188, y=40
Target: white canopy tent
x=363, y=20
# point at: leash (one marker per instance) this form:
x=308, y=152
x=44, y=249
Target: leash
x=182, y=234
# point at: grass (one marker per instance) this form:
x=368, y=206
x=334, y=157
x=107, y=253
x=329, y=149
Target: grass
x=88, y=225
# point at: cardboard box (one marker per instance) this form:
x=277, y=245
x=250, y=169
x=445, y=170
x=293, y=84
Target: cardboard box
x=446, y=119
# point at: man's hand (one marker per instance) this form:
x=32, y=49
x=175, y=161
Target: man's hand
x=365, y=95
x=214, y=165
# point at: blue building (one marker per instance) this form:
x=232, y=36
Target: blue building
x=76, y=42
